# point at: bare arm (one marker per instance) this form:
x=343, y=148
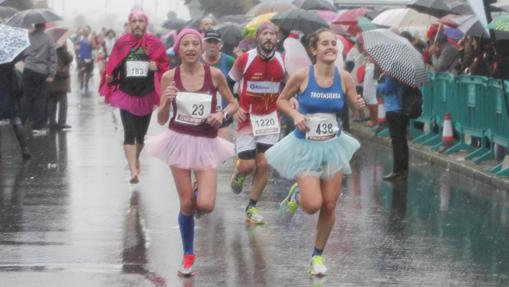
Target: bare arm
x=292, y=87
x=216, y=119
x=353, y=98
x=168, y=94
x=222, y=87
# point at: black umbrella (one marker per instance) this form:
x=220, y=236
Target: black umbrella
x=6, y=12
x=396, y=56
x=27, y=18
x=269, y=7
x=194, y=23
x=174, y=24
x=240, y=18
x=499, y=7
x=461, y=9
x=464, y=8
x=231, y=33
x=437, y=8
x=470, y=25
x=317, y=5
x=299, y=19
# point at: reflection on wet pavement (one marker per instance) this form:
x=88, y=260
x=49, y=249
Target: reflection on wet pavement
x=68, y=217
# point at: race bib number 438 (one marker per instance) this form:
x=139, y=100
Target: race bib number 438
x=192, y=108
x=322, y=127
x=137, y=68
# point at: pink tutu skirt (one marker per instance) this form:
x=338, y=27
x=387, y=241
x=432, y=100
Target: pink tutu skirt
x=189, y=152
x=138, y=106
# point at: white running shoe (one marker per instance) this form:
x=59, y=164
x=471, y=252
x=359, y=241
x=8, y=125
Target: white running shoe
x=317, y=267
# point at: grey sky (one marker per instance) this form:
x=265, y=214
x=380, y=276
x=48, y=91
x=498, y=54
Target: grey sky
x=117, y=10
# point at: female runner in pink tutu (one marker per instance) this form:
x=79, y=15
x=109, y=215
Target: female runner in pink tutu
x=191, y=143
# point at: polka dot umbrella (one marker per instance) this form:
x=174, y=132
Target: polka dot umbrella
x=500, y=23
x=14, y=41
x=395, y=55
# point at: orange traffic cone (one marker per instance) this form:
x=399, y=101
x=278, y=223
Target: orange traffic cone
x=381, y=111
x=447, y=134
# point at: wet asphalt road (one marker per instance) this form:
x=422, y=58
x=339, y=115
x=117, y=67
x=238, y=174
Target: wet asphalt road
x=68, y=217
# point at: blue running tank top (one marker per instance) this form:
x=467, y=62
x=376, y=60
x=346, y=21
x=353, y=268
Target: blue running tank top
x=85, y=49
x=315, y=99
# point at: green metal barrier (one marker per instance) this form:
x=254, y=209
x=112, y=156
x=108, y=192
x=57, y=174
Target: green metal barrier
x=426, y=119
x=478, y=109
x=444, y=101
x=499, y=125
x=470, y=112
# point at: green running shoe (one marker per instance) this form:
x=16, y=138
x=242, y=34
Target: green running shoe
x=317, y=267
x=253, y=216
x=237, y=180
x=289, y=205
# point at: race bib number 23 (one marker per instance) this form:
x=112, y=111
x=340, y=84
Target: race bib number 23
x=193, y=108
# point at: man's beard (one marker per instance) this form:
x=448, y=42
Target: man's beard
x=138, y=33
x=266, y=54
x=269, y=50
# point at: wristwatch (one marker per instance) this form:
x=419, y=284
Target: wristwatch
x=226, y=116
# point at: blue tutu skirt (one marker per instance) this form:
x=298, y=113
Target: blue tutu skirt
x=293, y=157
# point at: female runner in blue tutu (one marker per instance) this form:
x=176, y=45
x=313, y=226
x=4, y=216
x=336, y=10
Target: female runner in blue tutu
x=317, y=153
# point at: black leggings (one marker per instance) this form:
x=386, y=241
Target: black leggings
x=135, y=127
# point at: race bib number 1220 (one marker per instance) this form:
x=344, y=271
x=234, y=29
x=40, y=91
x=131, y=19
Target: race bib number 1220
x=265, y=124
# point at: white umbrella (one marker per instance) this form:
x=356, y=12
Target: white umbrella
x=395, y=56
x=14, y=41
x=403, y=17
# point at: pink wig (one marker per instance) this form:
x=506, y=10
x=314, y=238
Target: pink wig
x=137, y=13
x=182, y=34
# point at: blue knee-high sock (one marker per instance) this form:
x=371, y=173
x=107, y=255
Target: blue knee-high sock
x=186, y=224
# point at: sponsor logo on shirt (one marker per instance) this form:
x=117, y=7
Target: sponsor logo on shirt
x=262, y=87
x=318, y=95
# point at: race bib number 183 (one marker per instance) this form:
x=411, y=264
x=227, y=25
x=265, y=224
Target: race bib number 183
x=137, y=68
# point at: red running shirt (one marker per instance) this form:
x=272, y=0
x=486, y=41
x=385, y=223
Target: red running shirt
x=260, y=82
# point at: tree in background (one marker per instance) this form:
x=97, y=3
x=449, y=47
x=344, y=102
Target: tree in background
x=80, y=20
x=19, y=4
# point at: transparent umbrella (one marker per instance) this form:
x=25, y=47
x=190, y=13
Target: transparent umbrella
x=7, y=12
x=26, y=18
